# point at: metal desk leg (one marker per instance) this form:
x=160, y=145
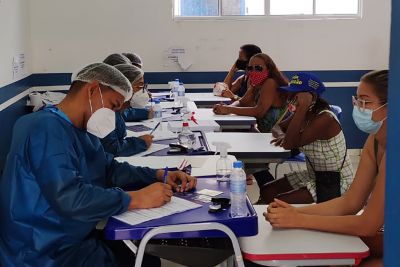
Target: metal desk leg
x=179, y=228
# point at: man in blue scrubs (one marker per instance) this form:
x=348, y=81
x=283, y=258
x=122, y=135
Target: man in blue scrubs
x=58, y=182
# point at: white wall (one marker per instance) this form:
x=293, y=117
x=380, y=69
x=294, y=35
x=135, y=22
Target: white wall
x=14, y=38
x=68, y=34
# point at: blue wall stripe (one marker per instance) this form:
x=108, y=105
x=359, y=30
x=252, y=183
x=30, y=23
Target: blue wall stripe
x=392, y=211
x=48, y=79
x=9, y=91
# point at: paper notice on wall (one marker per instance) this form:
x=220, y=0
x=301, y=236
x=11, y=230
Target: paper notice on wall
x=177, y=56
x=18, y=66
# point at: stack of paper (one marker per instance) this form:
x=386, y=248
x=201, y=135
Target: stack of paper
x=177, y=205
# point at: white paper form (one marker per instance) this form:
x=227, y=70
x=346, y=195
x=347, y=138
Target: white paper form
x=153, y=148
x=177, y=205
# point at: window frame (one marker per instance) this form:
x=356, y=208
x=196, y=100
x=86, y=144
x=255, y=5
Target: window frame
x=267, y=15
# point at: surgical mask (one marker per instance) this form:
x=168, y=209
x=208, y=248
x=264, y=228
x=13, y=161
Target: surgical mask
x=140, y=99
x=363, y=120
x=258, y=77
x=241, y=64
x=102, y=122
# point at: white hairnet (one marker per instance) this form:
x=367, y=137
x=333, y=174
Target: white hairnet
x=131, y=72
x=115, y=59
x=135, y=59
x=106, y=75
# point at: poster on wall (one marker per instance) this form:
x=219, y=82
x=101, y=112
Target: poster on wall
x=18, y=66
x=177, y=56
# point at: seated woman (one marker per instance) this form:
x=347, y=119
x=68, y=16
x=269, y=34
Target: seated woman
x=136, y=111
x=367, y=191
x=313, y=129
x=262, y=100
x=235, y=89
x=116, y=142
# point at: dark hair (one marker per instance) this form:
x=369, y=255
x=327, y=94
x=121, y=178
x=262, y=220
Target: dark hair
x=274, y=72
x=250, y=50
x=75, y=87
x=320, y=105
x=116, y=59
x=135, y=59
x=379, y=80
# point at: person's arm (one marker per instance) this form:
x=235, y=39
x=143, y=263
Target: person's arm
x=135, y=114
x=268, y=92
x=338, y=215
x=322, y=127
x=124, y=175
x=124, y=147
x=231, y=74
x=355, y=198
x=55, y=164
x=236, y=84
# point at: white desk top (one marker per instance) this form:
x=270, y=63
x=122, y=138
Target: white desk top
x=201, y=165
x=292, y=244
x=208, y=114
x=205, y=126
x=244, y=142
x=207, y=97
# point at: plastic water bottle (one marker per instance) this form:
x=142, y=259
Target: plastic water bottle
x=174, y=88
x=181, y=93
x=224, y=164
x=186, y=137
x=157, y=110
x=238, y=191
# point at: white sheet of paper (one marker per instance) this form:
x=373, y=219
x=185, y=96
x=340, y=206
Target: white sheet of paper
x=158, y=135
x=177, y=205
x=153, y=148
x=170, y=161
x=209, y=192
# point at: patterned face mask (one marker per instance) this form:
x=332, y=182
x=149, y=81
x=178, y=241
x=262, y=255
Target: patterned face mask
x=258, y=77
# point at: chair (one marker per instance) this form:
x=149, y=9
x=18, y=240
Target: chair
x=301, y=158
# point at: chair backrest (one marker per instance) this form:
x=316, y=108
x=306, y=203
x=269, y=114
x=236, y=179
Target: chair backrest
x=337, y=110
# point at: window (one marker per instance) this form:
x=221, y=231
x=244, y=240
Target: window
x=314, y=7
x=216, y=8
x=238, y=8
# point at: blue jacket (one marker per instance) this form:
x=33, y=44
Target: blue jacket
x=135, y=114
x=118, y=144
x=58, y=183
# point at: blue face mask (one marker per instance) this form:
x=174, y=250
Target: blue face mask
x=364, y=121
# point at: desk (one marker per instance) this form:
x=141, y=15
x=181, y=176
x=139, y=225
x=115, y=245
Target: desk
x=226, y=121
x=207, y=99
x=249, y=147
x=195, y=223
x=292, y=247
x=201, y=165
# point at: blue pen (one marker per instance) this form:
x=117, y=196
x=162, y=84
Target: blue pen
x=165, y=175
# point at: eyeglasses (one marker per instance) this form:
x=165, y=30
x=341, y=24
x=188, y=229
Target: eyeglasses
x=143, y=87
x=258, y=68
x=361, y=103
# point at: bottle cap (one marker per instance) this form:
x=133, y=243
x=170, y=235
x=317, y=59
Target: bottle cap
x=238, y=164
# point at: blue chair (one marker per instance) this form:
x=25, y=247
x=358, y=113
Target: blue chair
x=337, y=110
x=301, y=158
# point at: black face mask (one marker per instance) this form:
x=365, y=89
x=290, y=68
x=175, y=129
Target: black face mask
x=241, y=64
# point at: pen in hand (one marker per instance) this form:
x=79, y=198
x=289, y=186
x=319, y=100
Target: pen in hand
x=165, y=175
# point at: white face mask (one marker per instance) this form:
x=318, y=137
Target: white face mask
x=140, y=99
x=102, y=121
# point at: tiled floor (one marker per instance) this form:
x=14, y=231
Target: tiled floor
x=253, y=191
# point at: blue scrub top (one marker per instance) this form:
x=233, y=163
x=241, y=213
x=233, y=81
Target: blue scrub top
x=135, y=114
x=58, y=183
x=118, y=144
